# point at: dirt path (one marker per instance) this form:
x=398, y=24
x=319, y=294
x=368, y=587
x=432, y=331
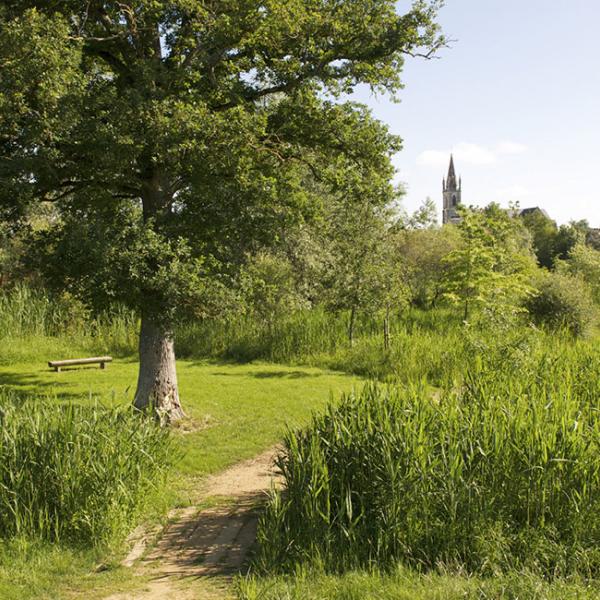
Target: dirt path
x=199, y=552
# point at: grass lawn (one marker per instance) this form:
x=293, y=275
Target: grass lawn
x=408, y=585
x=233, y=412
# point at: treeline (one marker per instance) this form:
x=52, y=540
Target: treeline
x=361, y=262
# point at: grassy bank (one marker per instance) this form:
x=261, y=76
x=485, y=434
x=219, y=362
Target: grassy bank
x=404, y=584
x=485, y=420
x=233, y=413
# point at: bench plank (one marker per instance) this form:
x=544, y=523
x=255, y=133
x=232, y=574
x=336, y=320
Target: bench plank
x=57, y=364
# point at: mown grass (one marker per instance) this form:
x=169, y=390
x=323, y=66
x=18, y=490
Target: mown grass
x=234, y=412
x=31, y=569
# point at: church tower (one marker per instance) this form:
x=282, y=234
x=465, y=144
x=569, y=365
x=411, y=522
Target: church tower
x=452, y=195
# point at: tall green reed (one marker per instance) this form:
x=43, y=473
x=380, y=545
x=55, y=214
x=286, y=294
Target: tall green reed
x=500, y=473
x=75, y=474
x=31, y=318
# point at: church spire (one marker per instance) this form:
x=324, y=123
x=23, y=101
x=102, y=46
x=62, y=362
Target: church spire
x=452, y=191
x=451, y=179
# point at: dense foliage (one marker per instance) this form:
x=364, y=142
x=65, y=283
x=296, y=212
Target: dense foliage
x=75, y=474
x=499, y=474
x=561, y=301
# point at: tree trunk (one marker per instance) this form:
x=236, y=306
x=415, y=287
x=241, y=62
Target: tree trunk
x=351, y=326
x=157, y=387
x=157, y=380
x=386, y=330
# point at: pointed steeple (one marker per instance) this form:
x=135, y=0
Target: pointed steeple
x=451, y=180
x=452, y=195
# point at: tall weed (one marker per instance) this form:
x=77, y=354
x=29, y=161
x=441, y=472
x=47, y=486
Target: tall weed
x=75, y=474
x=500, y=473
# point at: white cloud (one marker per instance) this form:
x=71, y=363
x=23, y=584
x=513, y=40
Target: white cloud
x=508, y=147
x=473, y=154
x=470, y=154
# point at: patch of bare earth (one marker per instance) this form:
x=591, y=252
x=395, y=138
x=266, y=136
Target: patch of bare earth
x=201, y=550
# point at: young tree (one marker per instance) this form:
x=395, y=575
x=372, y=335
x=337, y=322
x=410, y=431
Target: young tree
x=423, y=252
x=584, y=262
x=269, y=286
x=174, y=134
x=354, y=237
x=544, y=232
x=425, y=217
x=391, y=290
x=489, y=269
x=567, y=237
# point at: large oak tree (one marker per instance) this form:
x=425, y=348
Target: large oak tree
x=172, y=135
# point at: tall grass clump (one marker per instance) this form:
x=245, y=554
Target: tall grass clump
x=25, y=311
x=413, y=355
x=423, y=344
x=32, y=319
x=502, y=473
x=75, y=474
x=564, y=302
x=290, y=337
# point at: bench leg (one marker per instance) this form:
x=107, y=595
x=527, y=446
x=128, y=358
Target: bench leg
x=103, y=365
x=57, y=369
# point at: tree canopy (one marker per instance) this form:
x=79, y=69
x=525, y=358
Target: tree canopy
x=173, y=136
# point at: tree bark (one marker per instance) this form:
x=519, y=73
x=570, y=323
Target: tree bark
x=351, y=326
x=157, y=388
x=157, y=380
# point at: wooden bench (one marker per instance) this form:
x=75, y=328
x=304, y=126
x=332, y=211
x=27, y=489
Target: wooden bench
x=58, y=364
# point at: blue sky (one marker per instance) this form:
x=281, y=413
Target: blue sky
x=516, y=97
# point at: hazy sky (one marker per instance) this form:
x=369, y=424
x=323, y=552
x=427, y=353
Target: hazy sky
x=516, y=98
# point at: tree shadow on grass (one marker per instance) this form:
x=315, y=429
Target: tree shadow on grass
x=29, y=385
x=283, y=374
x=266, y=374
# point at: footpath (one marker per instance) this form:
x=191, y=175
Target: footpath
x=200, y=551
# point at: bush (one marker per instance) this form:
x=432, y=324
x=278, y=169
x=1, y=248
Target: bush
x=75, y=474
x=500, y=475
x=562, y=301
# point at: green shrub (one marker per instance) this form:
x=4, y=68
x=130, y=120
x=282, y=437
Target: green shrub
x=501, y=474
x=563, y=301
x=75, y=474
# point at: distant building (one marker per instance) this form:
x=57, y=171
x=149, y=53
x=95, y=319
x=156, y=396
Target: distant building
x=533, y=210
x=452, y=193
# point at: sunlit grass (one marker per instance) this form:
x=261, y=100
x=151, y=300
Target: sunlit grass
x=500, y=474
